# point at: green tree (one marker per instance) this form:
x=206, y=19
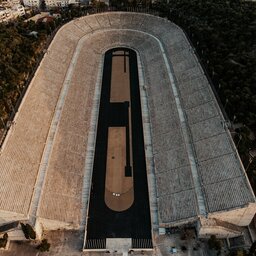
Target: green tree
x=98, y=4
x=221, y=32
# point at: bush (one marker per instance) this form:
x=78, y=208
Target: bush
x=3, y=240
x=24, y=229
x=183, y=248
x=31, y=232
x=214, y=243
x=28, y=231
x=44, y=246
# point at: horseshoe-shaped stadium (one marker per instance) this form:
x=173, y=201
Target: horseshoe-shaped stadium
x=120, y=135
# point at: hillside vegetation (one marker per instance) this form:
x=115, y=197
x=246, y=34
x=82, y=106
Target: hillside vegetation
x=19, y=53
x=224, y=34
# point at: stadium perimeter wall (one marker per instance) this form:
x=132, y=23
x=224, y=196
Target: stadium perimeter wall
x=193, y=165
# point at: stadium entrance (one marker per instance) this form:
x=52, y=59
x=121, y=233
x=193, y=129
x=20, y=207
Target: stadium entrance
x=119, y=203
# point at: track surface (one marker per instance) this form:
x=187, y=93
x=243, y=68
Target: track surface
x=135, y=221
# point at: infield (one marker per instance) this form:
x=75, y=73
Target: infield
x=119, y=204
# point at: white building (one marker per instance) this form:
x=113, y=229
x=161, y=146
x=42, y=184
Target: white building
x=5, y=14
x=32, y=3
x=60, y=3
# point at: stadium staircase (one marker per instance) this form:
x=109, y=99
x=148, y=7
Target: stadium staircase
x=230, y=227
x=95, y=243
x=139, y=243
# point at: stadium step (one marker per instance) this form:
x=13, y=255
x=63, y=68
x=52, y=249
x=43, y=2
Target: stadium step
x=142, y=243
x=95, y=244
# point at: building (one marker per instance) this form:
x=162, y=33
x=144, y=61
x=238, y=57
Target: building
x=5, y=14
x=32, y=3
x=61, y=3
x=10, y=11
x=195, y=175
x=39, y=17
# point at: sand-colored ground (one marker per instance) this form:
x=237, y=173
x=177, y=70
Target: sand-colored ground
x=118, y=188
x=120, y=78
x=119, y=203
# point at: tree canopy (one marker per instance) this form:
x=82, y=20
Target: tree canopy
x=224, y=34
x=19, y=53
x=28, y=231
x=44, y=246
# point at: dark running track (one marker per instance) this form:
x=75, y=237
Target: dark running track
x=135, y=221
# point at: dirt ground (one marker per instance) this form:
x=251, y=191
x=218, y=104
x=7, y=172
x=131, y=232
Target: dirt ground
x=119, y=194
x=120, y=79
x=116, y=160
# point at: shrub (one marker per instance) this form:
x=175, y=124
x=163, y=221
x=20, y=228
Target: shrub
x=214, y=243
x=44, y=246
x=3, y=240
x=28, y=231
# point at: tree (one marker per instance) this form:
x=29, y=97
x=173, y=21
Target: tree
x=43, y=5
x=28, y=231
x=183, y=248
x=3, y=240
x=238, y=252
x=214, y=243
x=44, y=246
x=98, y=4
x=252, y=250
x=221, y=32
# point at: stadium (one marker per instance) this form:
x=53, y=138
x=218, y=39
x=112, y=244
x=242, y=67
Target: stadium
x=58, y=158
